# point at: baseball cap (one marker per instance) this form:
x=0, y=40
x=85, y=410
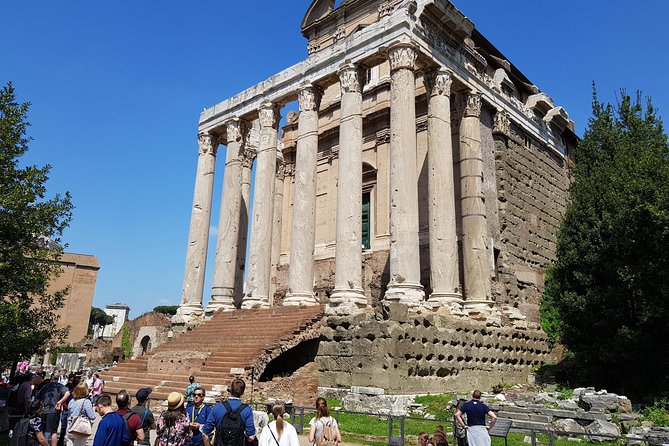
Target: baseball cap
x=143, y=393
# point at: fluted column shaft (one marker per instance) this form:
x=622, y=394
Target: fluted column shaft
x=257, y=292
x=444, y=269
x=223, y=287
x=303, y=238
x=348, y=296
x=198, y=236
x=474, y=247
x=404, y=283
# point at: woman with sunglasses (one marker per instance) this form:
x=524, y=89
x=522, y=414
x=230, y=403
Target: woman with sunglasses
x=198, y=412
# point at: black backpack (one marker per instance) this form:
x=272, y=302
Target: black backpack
x=23, y=435
x=230, y=431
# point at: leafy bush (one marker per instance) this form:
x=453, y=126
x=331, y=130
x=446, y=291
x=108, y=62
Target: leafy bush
x=658, y=413
x=169, y=310
x=126, y=343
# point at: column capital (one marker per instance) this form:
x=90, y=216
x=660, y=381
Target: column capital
x=269, y=115
x=471, y=104
x=351, y=78
x=402, y=56
x=235, y=130
x=502, y=123
x=207, y=143
x=309, y=98
x=247, y=157
x=438, y=82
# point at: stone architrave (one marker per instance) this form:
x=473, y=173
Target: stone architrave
x=198, y=237
x=348, y=296
x=277, y=221
x=303, y=238
x=478, y=295
x=444, y=267
x=257, y=292
x=247, y=166
x=225, y=267
x=404, y=283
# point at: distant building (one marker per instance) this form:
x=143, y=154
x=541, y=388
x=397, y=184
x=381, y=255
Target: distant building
x=79, y=273
x=120, y=314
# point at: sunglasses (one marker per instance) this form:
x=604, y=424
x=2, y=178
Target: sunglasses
x=198, y=394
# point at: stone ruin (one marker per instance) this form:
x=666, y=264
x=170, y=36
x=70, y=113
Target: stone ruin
x=416, y=194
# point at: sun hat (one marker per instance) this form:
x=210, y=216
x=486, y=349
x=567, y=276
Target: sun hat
x=175, y=400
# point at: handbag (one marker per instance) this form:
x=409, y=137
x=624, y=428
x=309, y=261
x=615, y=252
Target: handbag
x=81, y=425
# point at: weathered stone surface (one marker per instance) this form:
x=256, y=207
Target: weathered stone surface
x=605, y=402
x=624, y=405
x=379, y=404
x=654, y=436
x=567, y=425
x=175, y=361
x=601, y=428
x=367, y=390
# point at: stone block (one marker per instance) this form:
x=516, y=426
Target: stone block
x=567, y=425
x=624, y=405
x=174, y=362
x=605, y=428
x=606, y=402
x=367, y=390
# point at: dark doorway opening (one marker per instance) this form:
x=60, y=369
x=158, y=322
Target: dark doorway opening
x=291, y=360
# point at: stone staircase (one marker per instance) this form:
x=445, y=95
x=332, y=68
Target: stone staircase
x=243, y=339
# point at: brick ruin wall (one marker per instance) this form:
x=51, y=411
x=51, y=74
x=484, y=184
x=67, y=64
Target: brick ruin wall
x=403, y=351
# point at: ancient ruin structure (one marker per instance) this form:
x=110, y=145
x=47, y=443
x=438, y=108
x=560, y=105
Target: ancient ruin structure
x=416, y=193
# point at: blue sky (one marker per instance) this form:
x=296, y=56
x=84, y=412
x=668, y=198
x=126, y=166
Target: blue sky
x=117, y=87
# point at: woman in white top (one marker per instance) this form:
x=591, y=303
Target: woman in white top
x=322, y=419
x=279, y=432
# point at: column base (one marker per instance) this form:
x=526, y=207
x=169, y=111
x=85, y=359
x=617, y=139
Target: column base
x=408, y=293
x=297, y=299
x=453, y=301
x=188, y=313
x=478, y=305
x=346, y=301
x=251, y=301
x=221, y=299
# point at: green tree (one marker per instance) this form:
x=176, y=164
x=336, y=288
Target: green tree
x=607, y=297
x=98, y=319
x=30, y=230
x=126, y=342
x=169, y=310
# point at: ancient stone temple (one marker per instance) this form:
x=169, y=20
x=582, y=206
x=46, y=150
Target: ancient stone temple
x=416, y=194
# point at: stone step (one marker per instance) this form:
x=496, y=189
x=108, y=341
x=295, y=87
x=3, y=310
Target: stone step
x=520, y=424
x=525, y=416
x=556, y=413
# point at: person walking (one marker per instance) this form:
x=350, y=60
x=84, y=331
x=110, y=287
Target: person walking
x=142, y=410
x=79, y=406
x=320, y=421
x=190, y=389
x=132, y=420
x=53, y=395
x=112, y=430
x=198, y=412
x=234, y=403
x=173, y=428
x=279, y=432
x=98, y=388
x=477, y=429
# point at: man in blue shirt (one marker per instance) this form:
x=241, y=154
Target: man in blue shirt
x=236, y=390
x=198, y=412
x=477, y=429
x=112, y=430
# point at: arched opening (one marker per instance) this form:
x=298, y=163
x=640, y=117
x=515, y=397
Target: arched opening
x=290, y=361
x=145, y=343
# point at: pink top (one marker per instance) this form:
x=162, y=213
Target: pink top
x=98, y=387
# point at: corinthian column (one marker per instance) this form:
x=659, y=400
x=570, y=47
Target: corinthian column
x=247, y=165
x=198, y=237
x=223, y=289
x=257, y=292
x=404, y=283
x=303, y=237
x=348, y=296
x=277, y=223
x=444, y=269
x=474, y=249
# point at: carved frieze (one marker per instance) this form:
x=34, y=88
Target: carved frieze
x=269, y=115
x=309, y=98
x=386, y=8
x=473, y=104
x=403, y=56
x=438, y=82
x=351, y=78
x=339, y=34
x=207, y=143
x=247, y=157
